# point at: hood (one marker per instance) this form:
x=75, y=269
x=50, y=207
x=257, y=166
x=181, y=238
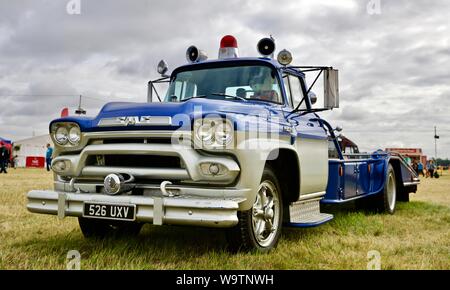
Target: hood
x=179, y=112
x=200, y=105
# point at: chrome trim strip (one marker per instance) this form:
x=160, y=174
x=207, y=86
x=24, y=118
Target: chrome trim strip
x=128, y=134
x=158, y=211
x=87, y=137
x=411, y=183
x=61, y=205
x=155, y=189
x=159, y=173
x=311, y=195
x=135, y=121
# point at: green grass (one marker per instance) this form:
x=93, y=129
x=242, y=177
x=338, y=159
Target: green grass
x=416, y=237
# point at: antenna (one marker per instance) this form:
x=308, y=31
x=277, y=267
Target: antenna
x=79, y=110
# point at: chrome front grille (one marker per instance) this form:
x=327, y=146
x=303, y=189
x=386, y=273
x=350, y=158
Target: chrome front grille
x=148, y=156
x=143, y=160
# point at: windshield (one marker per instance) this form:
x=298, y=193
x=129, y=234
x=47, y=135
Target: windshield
x=255, y=82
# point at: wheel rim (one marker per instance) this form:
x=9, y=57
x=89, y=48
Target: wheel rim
x=265, y=215
x=391, y=192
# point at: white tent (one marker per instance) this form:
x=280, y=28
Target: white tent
x=31, y=147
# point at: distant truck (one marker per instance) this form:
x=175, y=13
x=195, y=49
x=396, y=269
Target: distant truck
x=235, y=143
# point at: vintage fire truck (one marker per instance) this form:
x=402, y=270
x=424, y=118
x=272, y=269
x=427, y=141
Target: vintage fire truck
x=236, y=143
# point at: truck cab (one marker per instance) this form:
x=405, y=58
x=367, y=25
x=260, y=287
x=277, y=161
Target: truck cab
x=235, y=143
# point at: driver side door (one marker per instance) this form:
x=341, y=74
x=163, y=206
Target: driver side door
x=311, y=140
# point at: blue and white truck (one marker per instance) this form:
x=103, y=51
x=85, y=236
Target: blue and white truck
x=235, y=143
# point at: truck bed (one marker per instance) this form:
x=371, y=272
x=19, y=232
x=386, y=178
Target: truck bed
x=362, y=175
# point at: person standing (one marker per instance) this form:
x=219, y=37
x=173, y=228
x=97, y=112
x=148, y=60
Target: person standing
x=420, y=168
x=431, y=168
x=4, y=157
x=48, y=156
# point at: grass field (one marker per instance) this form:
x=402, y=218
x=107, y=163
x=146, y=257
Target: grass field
x=416, y=237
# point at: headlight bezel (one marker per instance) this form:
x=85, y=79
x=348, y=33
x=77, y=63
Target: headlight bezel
x=64, y=135
x=223, y=134
x=67, y=128
x=214, y=128
x=77, y=139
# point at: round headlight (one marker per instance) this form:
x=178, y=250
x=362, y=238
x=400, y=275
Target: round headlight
x=205, y=132
x=61, y=135
x=224, y=133
x=213, y=133
x=74, y=135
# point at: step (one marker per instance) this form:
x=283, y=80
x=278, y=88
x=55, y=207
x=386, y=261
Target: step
x=307, y=214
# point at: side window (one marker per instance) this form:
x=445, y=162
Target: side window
x=287, y=89
x=183, y=90
x=332, y=151
x=296, y=91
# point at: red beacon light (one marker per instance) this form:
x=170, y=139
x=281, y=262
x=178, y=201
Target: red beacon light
x=228, y=47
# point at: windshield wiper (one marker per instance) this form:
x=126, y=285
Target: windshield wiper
x=230, y=96
x=194, y=97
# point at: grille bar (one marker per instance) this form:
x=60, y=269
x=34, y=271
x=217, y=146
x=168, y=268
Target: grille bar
x=148, y=173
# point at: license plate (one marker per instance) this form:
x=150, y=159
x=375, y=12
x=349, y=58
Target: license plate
x=109, y=211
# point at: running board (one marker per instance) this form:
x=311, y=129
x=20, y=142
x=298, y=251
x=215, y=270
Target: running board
x=307, y=214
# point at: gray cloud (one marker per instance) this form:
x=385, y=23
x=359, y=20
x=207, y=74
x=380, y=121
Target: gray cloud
x=393, y=66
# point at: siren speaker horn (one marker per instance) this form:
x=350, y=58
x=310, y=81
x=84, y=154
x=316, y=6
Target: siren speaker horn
x=193, y=54
x=266, y=46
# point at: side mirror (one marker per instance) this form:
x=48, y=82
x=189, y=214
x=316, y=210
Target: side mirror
x=312, y=97
x=331, y=88
x=338, y=128
x=162, y=68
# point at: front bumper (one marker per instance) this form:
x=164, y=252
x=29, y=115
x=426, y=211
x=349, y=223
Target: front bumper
x=177, y=210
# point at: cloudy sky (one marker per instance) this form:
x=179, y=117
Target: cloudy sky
x=393, y=57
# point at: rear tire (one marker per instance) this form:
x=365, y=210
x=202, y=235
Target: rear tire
x=386, y=200
x=97, y=228
x=259, y=228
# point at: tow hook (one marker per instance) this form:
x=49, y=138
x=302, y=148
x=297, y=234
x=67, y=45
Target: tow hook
x=163, y=188
x=73, y=188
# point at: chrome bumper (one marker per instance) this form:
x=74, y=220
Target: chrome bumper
x=178, y=210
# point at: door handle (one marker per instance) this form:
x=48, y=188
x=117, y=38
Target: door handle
x=309, y=124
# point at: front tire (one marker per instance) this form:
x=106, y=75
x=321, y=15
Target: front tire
x=97, y=228
x=259, y=228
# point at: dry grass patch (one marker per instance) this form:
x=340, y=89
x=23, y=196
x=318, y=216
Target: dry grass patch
x=416, y=237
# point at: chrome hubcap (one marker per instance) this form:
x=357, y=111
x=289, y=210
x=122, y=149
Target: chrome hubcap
x=265, y=216
x=391, y=191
